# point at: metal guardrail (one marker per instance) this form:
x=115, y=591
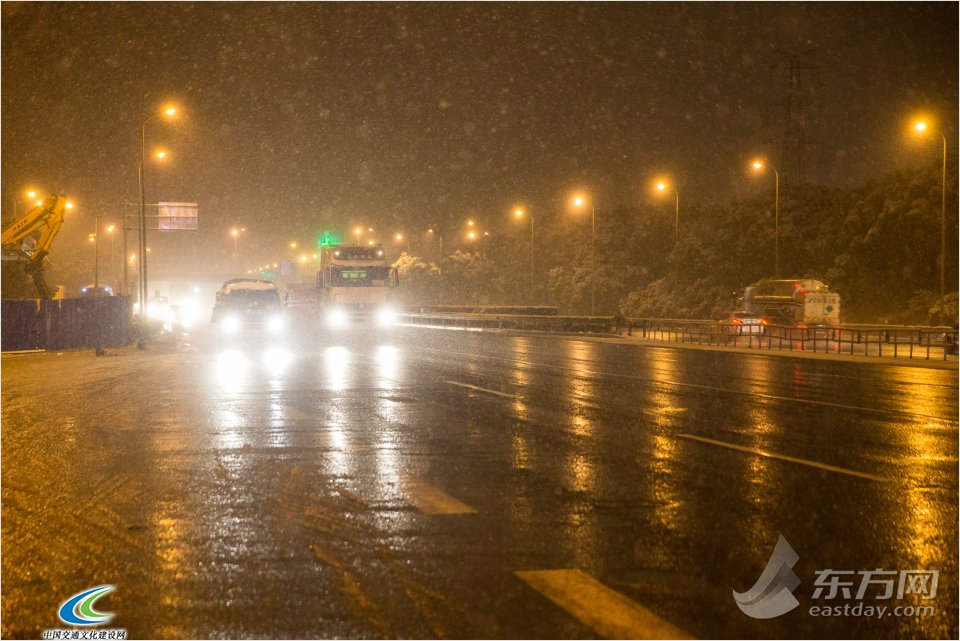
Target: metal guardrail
x=584, y=324
x=865, y=340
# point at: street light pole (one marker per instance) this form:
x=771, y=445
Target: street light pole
x=943, y=224
x=142, y=266
x=662, y=186
x=436, y=231
x=533, y=293
x=757, y=166
x=921, y=127
x=96, y=254
x=169, y=111
x=126, y=286
x=520, y=213
x=593, y=258
x=676, y=219
x=578, y=202
x=113, y=255
x=776, y=225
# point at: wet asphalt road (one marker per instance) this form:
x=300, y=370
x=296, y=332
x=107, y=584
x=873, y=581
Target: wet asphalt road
x=418, y=485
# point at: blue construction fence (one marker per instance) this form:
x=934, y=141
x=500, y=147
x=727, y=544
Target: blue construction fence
x=70, y=323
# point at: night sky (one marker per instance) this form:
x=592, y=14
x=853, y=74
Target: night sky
x=299, y=117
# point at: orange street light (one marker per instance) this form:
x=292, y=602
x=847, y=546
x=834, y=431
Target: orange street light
x=168, y=111
x=579, y=202
x=663, y=186
x=921, y=127
x=758, y=165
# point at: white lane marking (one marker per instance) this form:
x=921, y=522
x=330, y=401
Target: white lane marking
x=450, y=327
x=772, y=397
x=609, y=613
x=351, y=496
x=783, y=457
x=296, y=414
x=481, y=389
x=432, y=500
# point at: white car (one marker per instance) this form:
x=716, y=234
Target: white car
x=248, y=305
x=742, y=323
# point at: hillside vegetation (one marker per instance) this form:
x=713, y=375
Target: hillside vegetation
x=876, y=245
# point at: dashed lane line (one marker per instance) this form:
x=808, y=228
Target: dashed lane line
x=296, y=414
x=783, y=457
x=712, y=388
x=432, y=500
x=608, y=612
x=482, y=389
x=352, y=496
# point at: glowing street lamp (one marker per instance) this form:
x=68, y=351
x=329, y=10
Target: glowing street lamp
x=168, y=112
x=664, y=187
x=358, y=231
x=921, y=127
x=235, y=232
x=579, y=201
x=435, y=231
x=758, y=166
x=398, y=238
x=31, y=198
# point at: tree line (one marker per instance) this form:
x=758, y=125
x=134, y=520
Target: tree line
x=876, y=245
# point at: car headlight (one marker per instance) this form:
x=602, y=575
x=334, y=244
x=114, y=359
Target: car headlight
x=386, y=317
x=337, y=319
x=275, y=324
x=188, y=314
x=230, y=325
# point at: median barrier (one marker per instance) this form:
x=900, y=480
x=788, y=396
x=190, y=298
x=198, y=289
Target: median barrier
x=866, y=340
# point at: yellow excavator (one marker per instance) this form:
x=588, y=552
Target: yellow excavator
x=27, y=239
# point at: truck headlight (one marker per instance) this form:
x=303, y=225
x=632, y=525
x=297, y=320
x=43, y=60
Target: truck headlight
x=386, y=317
x=275, y=324
x=337, y=319
x=230, y=325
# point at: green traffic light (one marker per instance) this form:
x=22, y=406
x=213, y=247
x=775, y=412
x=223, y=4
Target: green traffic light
x=328, y=239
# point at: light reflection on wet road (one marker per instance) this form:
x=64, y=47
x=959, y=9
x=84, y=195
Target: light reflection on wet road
x=395, y=487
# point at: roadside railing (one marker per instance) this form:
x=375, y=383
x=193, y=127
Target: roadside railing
x=928, y=343
x=865, y=340
x=532, y=322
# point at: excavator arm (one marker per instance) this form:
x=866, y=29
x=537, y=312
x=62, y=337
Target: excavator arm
x=29, y=238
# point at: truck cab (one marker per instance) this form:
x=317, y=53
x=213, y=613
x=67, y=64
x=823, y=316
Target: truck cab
x=356, y=287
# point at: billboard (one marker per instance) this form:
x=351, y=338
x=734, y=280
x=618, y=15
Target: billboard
x=179, y=217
